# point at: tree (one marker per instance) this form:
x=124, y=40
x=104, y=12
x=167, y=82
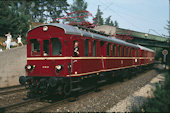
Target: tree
x=17, y=15
x=110, y=22
x=168, y=28
x=116, y=24
x=78, y=5
x=12, y=20
x=56, y=8
x=98, y=17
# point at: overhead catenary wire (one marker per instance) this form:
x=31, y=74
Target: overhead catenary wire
x=126, y=20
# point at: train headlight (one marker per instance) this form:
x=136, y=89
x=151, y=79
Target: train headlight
x=58, y=67
x=45, y=28
x=29, y=67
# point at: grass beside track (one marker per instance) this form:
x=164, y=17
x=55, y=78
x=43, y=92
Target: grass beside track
x=161, y=100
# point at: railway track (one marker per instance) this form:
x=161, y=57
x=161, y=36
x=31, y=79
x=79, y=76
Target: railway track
x=81, y=94
x=14, y=106
x=13, y=89
x=10, y=87
x=39, y=106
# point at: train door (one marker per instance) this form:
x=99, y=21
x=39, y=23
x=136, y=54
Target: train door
x=102, y=51
x=57, y=55
x=76, y=57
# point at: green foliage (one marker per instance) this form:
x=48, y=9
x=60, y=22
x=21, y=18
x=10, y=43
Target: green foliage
x=12, y=19
x=110, y=22
x=78, y=5
x=17, y=15
x=98, y=17
x=168, y=27
x=161, y=100
x=116, y=24
x=56, y=8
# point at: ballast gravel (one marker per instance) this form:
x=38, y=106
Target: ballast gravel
x=109, y=96
x=135, y=101
x=118, y=96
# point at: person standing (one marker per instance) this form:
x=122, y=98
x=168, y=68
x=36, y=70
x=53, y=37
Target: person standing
x=19, y=40
x=8, y=41
x=76, y=49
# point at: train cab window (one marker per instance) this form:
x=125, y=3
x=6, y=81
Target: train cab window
x=45, y=47
x=56, y=47
x=76, y=48
x=113, y=50
x=86, y=47
x=35, y=47
x=108, y=49
x=94, y=48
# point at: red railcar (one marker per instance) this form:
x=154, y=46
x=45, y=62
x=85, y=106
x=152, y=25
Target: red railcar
x=52, y=63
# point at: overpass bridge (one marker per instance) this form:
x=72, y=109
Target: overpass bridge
x=135, y=37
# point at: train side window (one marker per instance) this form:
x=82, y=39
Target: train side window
x=119, y=51
x=108, y=49
x=101, y=43
x=127, y=51
x=130, y=52
x=86, y=47
x=123, y=50
x=137, y=52
x=94, y=48
x=45, y=47
x=113, y=50
x=56, y=47
x=142, y=54
x=35, y=47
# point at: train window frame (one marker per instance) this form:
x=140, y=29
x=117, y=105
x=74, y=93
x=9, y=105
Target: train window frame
x=114, y=50
x=58, y=45
x=137, y=52
x=130, y=52
x=38, y=51
x=94, y=48
x=108, y=49
x=127, y=51
x=102, y=43
x=119, y=50
x=86, y=46
x=123, y=51
x=45, y=47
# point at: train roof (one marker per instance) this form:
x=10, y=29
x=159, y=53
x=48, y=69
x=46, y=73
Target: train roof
x=144, y=48
x=76, y=31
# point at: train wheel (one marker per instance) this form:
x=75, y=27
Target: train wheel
x=67, y=89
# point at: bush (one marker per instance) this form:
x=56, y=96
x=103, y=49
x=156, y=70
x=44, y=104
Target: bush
x=161, y=100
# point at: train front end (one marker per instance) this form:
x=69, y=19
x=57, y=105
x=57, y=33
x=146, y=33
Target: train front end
x=46, y=64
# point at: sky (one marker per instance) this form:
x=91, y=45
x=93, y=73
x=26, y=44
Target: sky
x=138, y=15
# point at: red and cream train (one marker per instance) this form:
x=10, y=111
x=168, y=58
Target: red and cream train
x=53, y=67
